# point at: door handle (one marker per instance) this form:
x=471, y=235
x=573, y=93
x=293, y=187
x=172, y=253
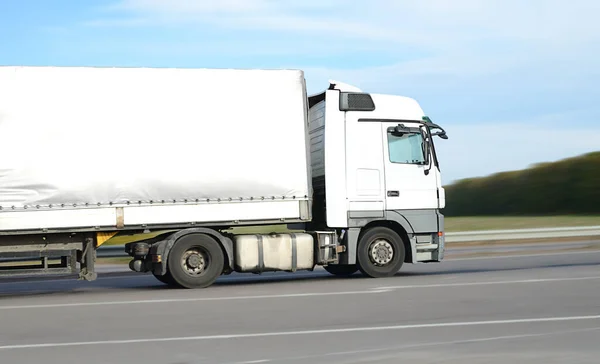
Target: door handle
x=393, y=193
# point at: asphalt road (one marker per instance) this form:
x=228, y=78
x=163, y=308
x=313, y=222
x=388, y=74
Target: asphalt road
x=530, y=308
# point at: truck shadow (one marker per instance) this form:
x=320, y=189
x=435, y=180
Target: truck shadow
x=128, y=282
x=321, y=276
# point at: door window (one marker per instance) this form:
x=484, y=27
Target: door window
x=406, y=149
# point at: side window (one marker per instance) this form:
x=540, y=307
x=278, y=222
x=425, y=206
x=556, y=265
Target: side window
x=406, y=149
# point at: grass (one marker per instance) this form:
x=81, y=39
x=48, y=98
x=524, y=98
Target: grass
x=517, y=222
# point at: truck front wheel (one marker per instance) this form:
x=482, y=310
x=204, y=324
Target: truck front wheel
x=380, y=252
x=196, y=261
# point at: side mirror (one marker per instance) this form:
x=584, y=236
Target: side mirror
x=426, y=150
x=441, y=134
x=427, y=153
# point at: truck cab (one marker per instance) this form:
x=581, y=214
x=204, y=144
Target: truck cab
x=376, y=175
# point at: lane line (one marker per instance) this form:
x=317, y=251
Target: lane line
x=199, y=299
x=303, y=332
x=374, y=290
x=448, y=257
x=487, y=283
x=438, y=343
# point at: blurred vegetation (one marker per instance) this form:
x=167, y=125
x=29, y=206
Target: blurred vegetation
x=569, y=186
x=471, y=223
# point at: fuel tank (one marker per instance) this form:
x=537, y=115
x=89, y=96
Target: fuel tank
x=274, y=252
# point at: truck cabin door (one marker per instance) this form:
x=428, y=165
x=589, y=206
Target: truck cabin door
x=410, y=174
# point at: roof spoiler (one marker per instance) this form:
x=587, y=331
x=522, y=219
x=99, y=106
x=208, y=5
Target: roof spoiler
x=351, y=97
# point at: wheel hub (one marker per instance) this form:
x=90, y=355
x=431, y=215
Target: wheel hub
x=381, y=252
x=193, y=262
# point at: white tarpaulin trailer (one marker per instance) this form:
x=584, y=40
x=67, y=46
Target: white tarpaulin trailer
x=176, y=159
x=145, y=146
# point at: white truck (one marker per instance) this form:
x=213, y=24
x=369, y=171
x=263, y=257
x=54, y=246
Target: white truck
x=189, y=161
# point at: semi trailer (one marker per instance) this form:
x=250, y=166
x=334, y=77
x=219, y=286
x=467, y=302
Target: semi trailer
x=195, y=165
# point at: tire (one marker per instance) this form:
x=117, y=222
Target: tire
x=342, y=270
x=196, y=261
x=372, y=256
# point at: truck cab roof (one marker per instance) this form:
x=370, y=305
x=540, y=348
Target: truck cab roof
x=387, y=106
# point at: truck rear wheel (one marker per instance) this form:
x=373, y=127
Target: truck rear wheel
x=380, y=252
x=341, y=269
x=196, y=261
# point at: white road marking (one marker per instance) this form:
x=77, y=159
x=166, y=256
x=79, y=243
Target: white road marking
x=486, y=283
x=299, y=333
x=199, y=299
x=439, y=343
x=374, y=290
x=448, y=258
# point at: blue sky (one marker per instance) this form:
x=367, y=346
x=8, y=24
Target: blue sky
x=513, y=82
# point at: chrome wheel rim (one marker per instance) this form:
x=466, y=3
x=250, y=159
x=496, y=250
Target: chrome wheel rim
x=381, y=252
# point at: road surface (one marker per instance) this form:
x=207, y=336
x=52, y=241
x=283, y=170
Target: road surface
x=530, y=308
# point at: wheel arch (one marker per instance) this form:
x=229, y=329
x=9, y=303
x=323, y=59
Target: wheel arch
x=398, y=229
x=164, y=247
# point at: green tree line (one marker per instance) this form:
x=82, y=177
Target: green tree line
x=569, y=186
